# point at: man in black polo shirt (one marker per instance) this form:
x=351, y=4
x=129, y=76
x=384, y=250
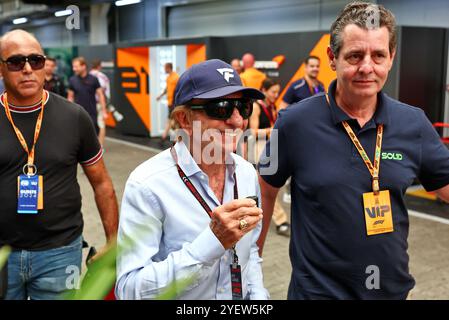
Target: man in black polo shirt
x=349, y=220
x=43, y=138
x=306, y=86
x=83, y=87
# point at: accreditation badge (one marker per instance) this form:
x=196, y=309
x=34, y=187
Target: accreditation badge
x=30, y=192
x=236, y=282
x=27, y=194
x=378, y=214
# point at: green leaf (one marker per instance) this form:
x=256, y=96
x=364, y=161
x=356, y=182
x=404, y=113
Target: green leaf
x=172, y=291
x=4, y=253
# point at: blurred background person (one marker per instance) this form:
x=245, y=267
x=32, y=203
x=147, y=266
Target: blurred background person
x=83, y=88
x=235, y=64
x=251, y=77
x=305, y=87
x=106, y=86
x=261, y=123
x=172, y=80
x=52, y=82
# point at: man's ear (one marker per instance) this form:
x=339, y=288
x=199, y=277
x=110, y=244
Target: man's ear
x=331, y=57
x=185, y=121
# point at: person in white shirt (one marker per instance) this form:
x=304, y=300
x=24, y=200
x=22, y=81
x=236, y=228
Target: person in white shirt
x=185, y=213
x=106, y=86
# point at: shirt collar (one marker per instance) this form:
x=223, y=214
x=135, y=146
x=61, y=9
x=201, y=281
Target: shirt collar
x=185, y=159
x=25, y=109
x=338, y=115
x=190, y=167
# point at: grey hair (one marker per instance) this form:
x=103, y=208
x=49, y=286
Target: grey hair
x=366, y=16
x=179, y=109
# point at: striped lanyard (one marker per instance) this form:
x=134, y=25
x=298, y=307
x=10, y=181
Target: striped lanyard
x=30, y=162
x=373, y=168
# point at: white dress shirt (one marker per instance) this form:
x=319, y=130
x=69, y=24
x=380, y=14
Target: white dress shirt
x=170, y=235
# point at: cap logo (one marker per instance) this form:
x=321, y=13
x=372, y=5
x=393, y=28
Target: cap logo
x=227, y=73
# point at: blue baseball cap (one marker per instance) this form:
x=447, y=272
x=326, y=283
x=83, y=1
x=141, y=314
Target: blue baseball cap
x=211, y=79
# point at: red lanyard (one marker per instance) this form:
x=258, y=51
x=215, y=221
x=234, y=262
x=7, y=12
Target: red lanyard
x=192, y=188
x=236, y=280
x=268, y=111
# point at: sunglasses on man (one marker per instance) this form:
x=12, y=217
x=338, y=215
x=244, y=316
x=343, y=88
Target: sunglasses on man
x=17, y=62
x=222, y=109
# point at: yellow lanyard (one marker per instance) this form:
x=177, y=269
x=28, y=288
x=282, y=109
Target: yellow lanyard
x=37, y=130
x=373, y=168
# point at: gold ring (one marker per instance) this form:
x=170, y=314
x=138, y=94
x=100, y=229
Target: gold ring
x=243, y=224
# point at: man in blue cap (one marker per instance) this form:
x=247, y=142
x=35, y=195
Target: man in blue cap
x=186, y=210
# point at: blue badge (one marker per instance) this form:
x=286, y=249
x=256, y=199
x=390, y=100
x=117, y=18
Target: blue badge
x=28, y=189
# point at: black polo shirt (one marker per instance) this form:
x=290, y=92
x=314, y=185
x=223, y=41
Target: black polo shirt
x=85, y=90
x=300, y=90
x=330, y=251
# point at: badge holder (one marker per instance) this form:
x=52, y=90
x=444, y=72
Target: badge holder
x=29, y=191
x=236, y=277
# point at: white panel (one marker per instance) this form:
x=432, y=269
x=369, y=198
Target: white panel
x=158, y=57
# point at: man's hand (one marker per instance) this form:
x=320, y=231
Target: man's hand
x=226, y=223
x=102, y=251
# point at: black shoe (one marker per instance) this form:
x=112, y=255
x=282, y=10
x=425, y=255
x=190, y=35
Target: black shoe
x=283, y=229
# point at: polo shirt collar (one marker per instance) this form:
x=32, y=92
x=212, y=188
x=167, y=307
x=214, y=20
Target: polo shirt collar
x=190, y=167
x=338, y=115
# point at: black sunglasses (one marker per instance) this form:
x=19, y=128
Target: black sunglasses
x=222, y=109
x=17, y=62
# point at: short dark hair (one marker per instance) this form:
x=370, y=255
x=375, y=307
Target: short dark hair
x=311, y=57
x=268, y=83
x=361, y=14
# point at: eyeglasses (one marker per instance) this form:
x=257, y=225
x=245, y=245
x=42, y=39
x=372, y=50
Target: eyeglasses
x=17, y=62
x=222, y=109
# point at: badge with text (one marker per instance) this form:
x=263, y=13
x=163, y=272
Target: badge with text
x=236, y=282
x=28, y=191
x=378, y=214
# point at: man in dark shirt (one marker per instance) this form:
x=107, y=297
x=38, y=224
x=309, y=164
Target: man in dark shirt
x=351, y=155
x=52, y=82
x=83, y=87
x=41, y=215
x=306, y=86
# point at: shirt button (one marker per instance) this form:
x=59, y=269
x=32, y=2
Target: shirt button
x=222, y=290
